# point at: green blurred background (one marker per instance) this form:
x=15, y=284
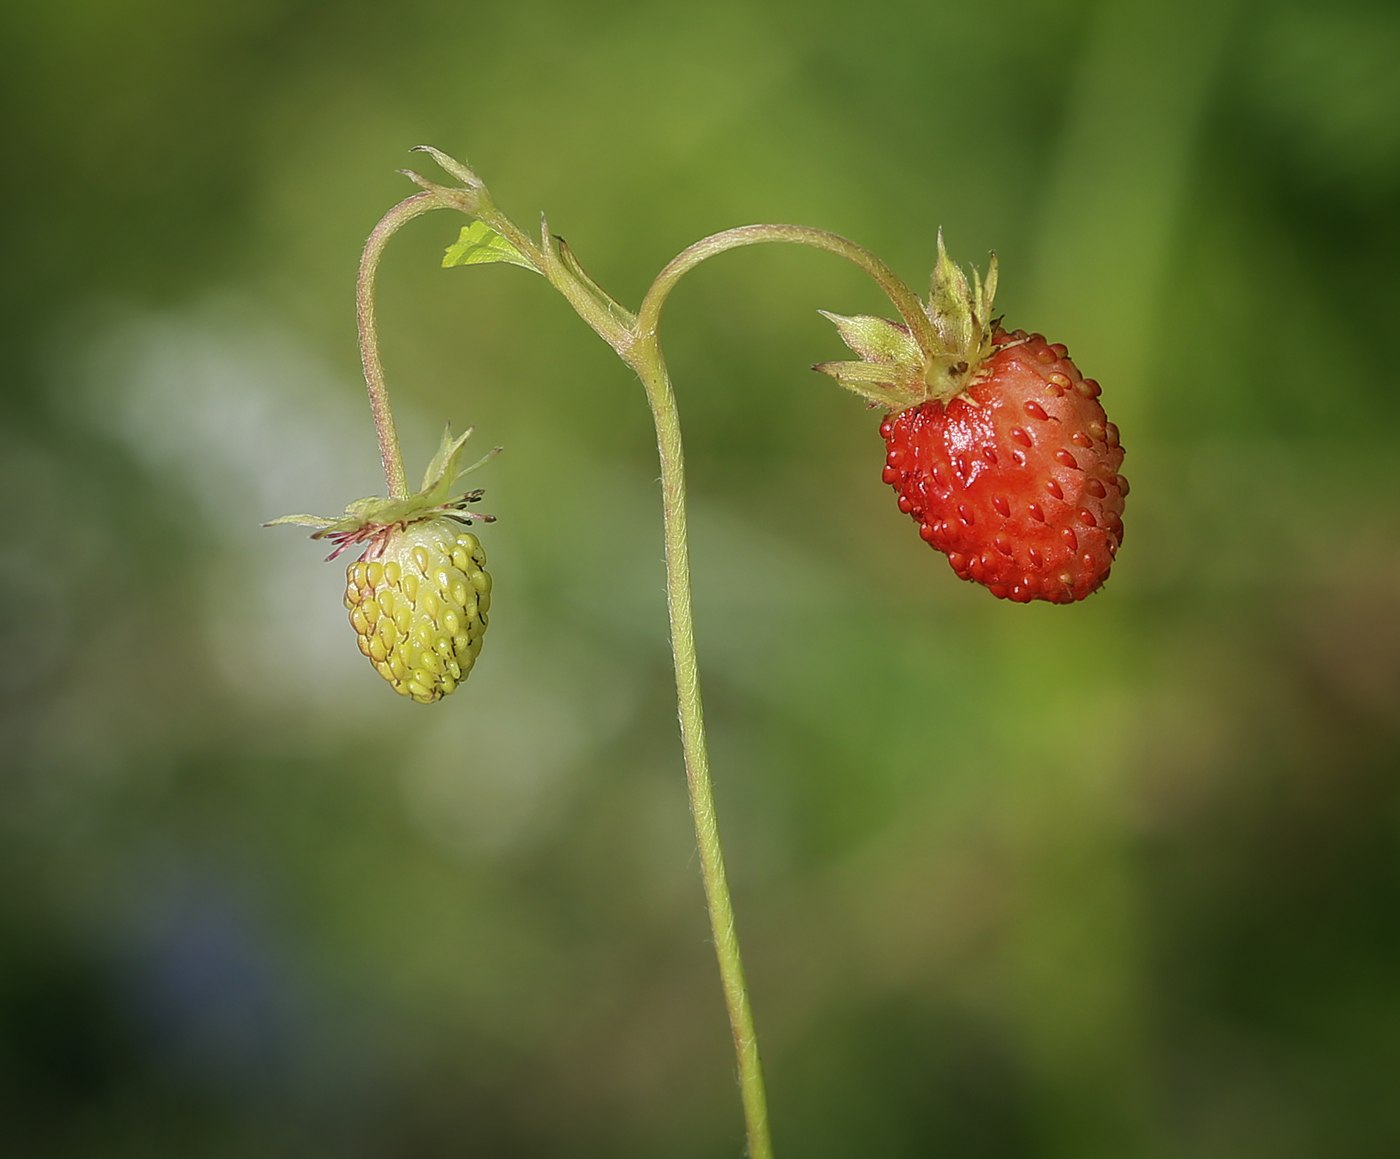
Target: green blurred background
x=1111, y=880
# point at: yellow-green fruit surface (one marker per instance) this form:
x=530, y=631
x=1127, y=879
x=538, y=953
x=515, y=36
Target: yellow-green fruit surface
x=419, y=608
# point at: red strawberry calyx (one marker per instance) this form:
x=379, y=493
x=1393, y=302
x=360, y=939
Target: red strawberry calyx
x=372, y=521
x=894, y=372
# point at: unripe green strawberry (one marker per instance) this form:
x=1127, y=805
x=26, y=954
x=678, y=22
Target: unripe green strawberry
x=419, y=607
x=419, y=594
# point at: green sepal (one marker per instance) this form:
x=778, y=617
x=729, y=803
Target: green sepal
x=894, y=371
x=876, y=339
x=961, y=312
x=883, y=383
x=318, y=521
x=890, y=373
x=444, y=468
x=478, y=244
x=436, y=495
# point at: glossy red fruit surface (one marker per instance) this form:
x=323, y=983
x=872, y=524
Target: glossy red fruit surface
x=1016, y=479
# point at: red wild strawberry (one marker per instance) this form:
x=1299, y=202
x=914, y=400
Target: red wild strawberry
x=996, y=445
x=1015, y=479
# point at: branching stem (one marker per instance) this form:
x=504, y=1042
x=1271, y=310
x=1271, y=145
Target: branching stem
x=636, y=341
x=645, y=357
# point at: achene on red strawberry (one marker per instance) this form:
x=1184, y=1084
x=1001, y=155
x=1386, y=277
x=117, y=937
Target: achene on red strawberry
x=996, y=445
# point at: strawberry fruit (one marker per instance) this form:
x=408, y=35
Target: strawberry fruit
x=419, y=593
x=995, y=443
x=419, y=607
x=1016, y=478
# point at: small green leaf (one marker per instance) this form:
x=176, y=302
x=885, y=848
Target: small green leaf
x=479, y=244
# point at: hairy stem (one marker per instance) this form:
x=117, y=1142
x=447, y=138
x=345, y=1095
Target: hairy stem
x=646, y=359
x=910, y=309
x=389, y=453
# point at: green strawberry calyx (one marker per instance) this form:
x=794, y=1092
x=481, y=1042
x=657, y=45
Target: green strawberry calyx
x=895, y=371
x=374, y=520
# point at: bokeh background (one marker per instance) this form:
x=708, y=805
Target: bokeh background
x=1111, y=880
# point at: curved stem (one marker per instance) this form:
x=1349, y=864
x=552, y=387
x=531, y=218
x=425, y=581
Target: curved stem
x=901, y=296
x=389, y=453
x=645, y=357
